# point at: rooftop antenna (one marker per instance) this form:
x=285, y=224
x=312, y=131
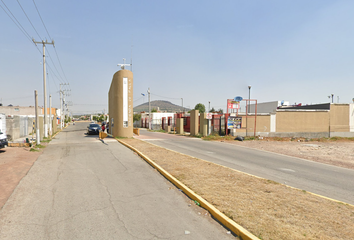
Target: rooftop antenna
x=122, y=66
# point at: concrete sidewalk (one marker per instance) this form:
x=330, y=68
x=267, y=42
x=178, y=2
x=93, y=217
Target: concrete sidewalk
x=82, y=188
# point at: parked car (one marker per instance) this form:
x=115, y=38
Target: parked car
x=3, y=140
x=3, y=137
x=93, y=128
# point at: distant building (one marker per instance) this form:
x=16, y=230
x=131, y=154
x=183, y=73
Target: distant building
x=21, y=111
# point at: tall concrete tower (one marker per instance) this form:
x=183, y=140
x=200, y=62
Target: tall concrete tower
x=120, y=104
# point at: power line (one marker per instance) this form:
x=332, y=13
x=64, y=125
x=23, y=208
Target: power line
x=41, y=19
x=56, y=53
x=18, y=24
x=60, y=64
x=50, y=57
x=164, y=97
x=29, y=19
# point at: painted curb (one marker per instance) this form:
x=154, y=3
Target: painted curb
x=227, y=222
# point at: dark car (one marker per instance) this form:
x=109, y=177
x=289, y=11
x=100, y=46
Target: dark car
x=3, y=140
x=93, y=129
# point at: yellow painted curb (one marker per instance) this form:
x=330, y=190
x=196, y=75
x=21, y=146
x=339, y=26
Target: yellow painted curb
x=227, y=222
x=19, y=145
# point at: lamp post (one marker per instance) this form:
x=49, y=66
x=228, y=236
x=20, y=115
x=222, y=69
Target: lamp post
x=182, y=105
x=209, y=107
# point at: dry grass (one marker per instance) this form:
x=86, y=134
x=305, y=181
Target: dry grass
x=267, y=209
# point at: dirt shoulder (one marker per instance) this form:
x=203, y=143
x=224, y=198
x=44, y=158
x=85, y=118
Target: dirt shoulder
x=15, y=162
x=267, y=209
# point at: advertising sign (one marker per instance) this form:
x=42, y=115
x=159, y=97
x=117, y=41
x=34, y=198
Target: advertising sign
x=232, y=104
x=234, y=122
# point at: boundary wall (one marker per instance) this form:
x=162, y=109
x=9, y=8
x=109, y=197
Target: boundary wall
x=335, y=121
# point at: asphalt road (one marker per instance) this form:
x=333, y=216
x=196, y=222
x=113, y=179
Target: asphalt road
x=326, y=180
x=82, y=188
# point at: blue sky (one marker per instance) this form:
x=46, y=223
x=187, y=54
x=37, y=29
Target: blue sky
x=297, y=51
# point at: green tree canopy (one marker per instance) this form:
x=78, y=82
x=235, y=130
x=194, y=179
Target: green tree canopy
x=136, y=117
x=153, y=110
x=212, y=110
x=200, y=107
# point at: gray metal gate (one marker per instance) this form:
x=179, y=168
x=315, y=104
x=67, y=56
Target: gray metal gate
x=23, y=126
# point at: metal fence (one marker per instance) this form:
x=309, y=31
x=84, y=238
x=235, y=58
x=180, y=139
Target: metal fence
x=218, y=125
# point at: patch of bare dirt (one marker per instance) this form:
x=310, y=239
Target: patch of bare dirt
x=15, y=162
x=267, y=209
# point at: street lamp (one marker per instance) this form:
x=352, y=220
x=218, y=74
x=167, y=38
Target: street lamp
x=331, y=96
x=182, y=105
x=248, y=109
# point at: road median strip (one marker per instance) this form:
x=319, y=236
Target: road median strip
x=227, y=222
x=267, y=209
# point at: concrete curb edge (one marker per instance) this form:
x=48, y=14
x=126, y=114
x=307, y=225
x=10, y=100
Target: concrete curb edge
x=227, y=222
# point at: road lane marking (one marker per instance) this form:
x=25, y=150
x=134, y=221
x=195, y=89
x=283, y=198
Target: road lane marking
x=286, y=170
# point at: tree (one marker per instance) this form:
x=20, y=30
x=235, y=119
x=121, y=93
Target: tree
x=212, y=110
x=153, y=110
x=220, y=110
x=136, y=117
x=200, y=107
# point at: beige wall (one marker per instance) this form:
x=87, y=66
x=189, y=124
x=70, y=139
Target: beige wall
x=302, y=121
x=339, y=118
x=115, y=104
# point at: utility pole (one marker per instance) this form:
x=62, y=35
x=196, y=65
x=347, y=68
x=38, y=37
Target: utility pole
x=149, y=110
x=36, y=112
x=50, y=115
x=44, y=86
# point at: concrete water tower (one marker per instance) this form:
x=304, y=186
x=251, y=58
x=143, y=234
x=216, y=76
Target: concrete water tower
x=120, y=103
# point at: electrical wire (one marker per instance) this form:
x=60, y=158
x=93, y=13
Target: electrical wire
x=18, y=24
x=50, y=57
x=56, y=53
x=60, y=64
x=163, y=96
x=28, y=19
x=138, y=99
x=42, y=19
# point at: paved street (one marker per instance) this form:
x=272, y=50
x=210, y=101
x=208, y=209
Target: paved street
x=81, y=188
x=330, y=181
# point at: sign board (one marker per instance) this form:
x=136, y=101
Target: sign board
x=238, y=99
x=234, y=122
x=209, y=116
x=231, y=104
